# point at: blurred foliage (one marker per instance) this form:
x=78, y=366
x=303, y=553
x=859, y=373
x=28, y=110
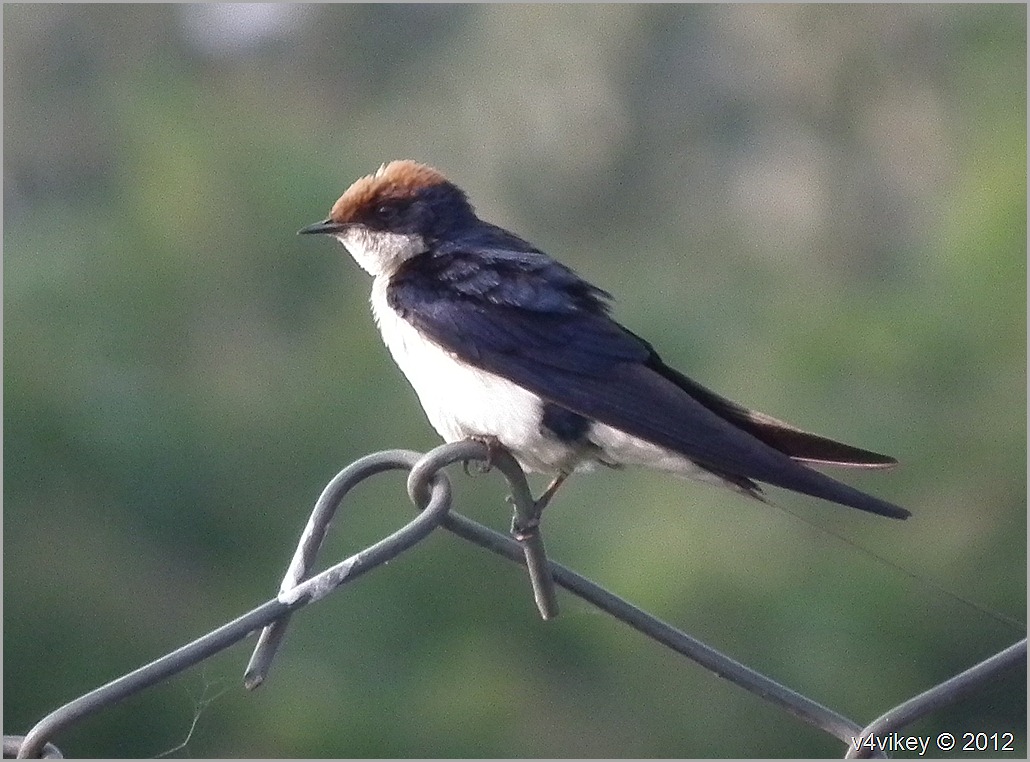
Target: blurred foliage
x=817, y=210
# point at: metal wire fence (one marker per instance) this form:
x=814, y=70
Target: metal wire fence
x=430, y=490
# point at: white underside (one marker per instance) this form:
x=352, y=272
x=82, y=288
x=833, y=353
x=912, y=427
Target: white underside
x=462, y=401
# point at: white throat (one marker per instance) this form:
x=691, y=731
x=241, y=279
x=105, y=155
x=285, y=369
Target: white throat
x=379, y=252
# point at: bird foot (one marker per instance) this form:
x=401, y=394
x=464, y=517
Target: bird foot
x=493, y=448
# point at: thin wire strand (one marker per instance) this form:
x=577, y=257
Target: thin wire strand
x=997, y=616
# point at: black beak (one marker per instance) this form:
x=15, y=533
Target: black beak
x=325, y=227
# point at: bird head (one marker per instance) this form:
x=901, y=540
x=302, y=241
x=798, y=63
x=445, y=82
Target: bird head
x=394, y=214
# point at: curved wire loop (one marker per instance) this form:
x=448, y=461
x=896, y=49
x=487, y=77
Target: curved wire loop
x=525, y=523
x=430, y=491
x=425, y=470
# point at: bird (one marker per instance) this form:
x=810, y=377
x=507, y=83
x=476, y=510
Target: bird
x=506, y=345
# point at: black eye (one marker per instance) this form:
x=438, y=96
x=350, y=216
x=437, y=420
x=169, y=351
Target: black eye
x=396, y=214
x=388, y=214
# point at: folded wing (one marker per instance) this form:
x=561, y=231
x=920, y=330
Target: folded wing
x=570, y=352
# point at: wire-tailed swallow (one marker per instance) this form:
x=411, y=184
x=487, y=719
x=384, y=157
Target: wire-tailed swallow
x=504, y=344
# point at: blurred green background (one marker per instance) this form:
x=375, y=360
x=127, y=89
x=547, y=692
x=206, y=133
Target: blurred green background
x=819, y=211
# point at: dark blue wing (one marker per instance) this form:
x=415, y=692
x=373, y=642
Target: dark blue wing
x=525, y=317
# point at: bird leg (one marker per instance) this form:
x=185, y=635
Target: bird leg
x=522, y=530
x=526, y=531
x=545, y=497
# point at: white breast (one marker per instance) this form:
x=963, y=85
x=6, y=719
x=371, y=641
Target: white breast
x=462, y=401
